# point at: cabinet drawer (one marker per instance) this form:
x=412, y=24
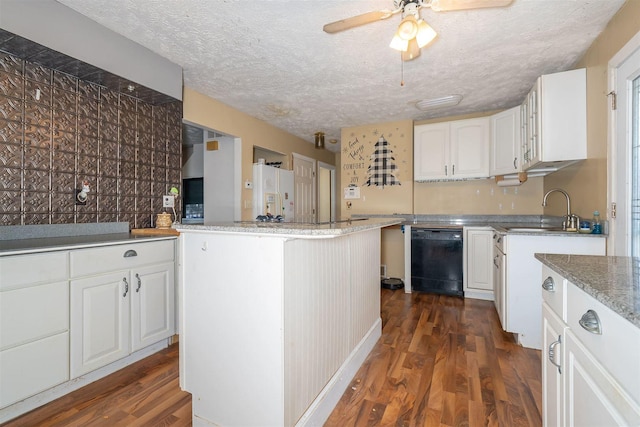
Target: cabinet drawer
x=617, y=347
x=34, y=367
x=33, y=313
x=554, y=288
x=87, y=262
x=23, y=270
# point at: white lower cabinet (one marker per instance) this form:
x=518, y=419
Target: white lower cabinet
x=553, y=329
x=592, y=396
x=34, y=324
x=478, y=274
x=117, y=313
x=100, y=321
x=590, y=378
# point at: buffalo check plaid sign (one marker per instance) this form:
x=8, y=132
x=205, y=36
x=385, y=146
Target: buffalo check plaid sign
x=382, y=169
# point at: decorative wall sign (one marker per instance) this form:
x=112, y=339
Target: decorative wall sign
x=382, y=169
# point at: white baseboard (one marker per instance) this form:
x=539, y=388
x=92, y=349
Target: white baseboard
x=484, y=295
x=323, y=405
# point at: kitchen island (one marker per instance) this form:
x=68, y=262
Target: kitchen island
x=277, y=317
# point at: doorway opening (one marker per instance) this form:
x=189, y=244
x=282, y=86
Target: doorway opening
x=210, y=161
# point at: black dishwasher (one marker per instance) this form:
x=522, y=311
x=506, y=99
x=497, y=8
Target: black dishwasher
x=436, y=261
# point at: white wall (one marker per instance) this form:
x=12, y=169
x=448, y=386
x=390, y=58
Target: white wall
x=219, y=198
x=60, y=28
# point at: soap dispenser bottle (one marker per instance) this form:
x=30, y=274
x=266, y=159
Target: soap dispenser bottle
x=597, y=226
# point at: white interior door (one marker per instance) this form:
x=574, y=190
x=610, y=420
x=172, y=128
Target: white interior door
x=304, y=171
x=625, y=70
x=326, y=192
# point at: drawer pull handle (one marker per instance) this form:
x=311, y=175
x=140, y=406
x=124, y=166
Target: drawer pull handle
x=139, y=282
x=126, y=287
x=552, y=353
x=130, y=253
x=591, y=322
x=549, y=285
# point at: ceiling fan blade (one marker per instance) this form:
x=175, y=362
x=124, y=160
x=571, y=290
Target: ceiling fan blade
x=356, y=21
x=447, y=5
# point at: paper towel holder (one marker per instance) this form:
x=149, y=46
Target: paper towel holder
x=511, y=180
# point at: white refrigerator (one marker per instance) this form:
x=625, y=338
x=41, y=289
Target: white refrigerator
x=273, y=191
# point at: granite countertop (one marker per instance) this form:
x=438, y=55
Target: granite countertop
x=533, y=225
x=612, y=280
x=295, y=229
x=24, y=239
x=25, y=246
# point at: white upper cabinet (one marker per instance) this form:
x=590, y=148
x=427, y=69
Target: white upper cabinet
x=505, y=142
x=554, y=121
x=452, y=150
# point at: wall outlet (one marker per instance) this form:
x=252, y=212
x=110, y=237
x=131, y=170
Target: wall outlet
x=168, y=201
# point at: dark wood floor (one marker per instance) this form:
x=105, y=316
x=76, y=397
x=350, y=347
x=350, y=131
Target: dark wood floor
x=441, y=361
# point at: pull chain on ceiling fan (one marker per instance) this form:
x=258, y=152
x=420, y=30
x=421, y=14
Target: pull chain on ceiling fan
x=413, y=33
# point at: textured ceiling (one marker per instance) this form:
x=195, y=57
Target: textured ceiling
x=271, y=59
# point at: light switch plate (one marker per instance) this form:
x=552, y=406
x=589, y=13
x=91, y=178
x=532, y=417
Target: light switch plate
x=168, y=201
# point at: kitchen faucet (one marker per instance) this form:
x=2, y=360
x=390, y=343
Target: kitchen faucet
x=571, y=221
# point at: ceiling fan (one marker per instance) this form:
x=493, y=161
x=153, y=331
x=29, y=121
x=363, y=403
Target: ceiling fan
x=413, y=33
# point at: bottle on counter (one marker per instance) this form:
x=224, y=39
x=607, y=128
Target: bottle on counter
x=596, y=224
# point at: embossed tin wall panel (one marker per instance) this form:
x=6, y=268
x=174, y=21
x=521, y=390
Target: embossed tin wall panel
x=57, y=131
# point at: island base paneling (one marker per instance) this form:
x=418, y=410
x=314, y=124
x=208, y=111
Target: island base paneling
x=285, y=314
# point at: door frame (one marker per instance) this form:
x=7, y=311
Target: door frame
x=613, y=162
x=332, y=172
x=237, y=166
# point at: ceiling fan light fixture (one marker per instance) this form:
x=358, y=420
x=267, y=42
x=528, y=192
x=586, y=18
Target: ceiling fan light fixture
x=425, y=34
x=399, y=43
x=408, y=28
x=445, y=101
x=412, y=52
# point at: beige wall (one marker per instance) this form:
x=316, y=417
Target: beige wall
x=205, y=111
x=479, y=197
x=358, y=146
x=586, y=182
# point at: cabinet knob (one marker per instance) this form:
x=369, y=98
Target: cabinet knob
x=515, y=163
x=126, y=287
x=139, y=282
x=591, y=322
x=130, y=253
x=549, y=285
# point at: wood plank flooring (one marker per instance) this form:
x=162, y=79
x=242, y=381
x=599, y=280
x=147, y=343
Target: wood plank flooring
x=441, y=361
x=145, y=393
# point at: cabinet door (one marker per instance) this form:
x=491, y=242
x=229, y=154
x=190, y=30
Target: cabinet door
x=152, y=305
x=499, y=284
x=431, y=152
x=469, y=156
x=505, y=142
x=99, y=321
x=479, y=261
x=532, y=155
x=553, y=329
x=593, y=398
